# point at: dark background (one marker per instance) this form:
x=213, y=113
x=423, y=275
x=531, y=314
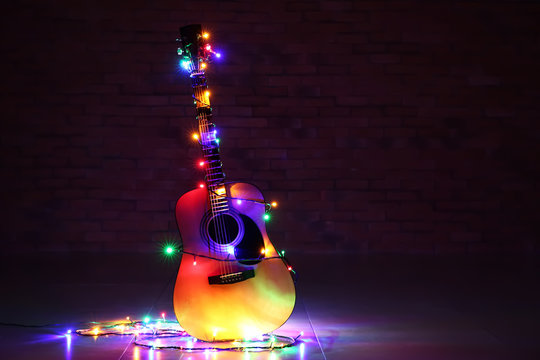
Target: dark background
x=378, y=126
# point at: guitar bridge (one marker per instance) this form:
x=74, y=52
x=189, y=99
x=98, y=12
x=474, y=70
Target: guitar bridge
x=231, y=278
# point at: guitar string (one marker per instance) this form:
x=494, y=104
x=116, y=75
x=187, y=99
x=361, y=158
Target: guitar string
x=196, y=96
x=204, y=144
x=218, y=222
x=201, y=119
x=220, y=229
x=220, y=226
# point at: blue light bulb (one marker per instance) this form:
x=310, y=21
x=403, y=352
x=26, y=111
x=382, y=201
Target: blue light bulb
x=184, y=64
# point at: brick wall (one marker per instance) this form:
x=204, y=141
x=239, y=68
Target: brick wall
x=379, y=126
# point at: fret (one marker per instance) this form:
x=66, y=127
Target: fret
x=216, y=181
x=219, y=206
x=217, y=176
x=212, y=159
x=213, y=168
x=208, y=136
x=218, y=197
x=210, y=151
x=214, y=174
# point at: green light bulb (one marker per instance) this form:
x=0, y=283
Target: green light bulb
x=169, y=249
x=266, y=217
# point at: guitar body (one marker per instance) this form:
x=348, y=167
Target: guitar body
x=226, y=300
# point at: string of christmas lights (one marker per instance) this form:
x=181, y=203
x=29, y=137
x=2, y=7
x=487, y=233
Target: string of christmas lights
x=166, y=334
x=170, y=249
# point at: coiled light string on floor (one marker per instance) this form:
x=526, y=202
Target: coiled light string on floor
x=166, y=334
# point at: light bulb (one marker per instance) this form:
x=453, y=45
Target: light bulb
x=274, y=204
x=195, y=136
x=205, y=35
x=169, y=250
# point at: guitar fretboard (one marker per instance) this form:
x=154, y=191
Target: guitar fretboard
x=214, y=176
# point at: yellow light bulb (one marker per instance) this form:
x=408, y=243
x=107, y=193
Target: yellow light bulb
x=263, y=251
x=207, y=93
x=274, y=204
x=205, y=35
x=195, y=136
x=203, y=65
x=96, y=331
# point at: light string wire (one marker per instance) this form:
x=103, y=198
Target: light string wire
x=283, y=258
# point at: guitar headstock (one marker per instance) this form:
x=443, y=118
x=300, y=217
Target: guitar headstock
x=195, y=50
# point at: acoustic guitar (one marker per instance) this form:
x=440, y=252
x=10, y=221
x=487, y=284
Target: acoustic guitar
x=232, y=283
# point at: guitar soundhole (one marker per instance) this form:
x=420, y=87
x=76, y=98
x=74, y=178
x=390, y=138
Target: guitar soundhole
x=223, y=229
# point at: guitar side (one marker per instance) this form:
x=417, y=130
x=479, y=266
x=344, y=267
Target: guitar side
x=243, y=309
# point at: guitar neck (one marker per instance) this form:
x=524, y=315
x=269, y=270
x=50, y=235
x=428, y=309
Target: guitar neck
x=213, y=167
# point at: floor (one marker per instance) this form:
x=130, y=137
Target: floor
x=348, y=307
